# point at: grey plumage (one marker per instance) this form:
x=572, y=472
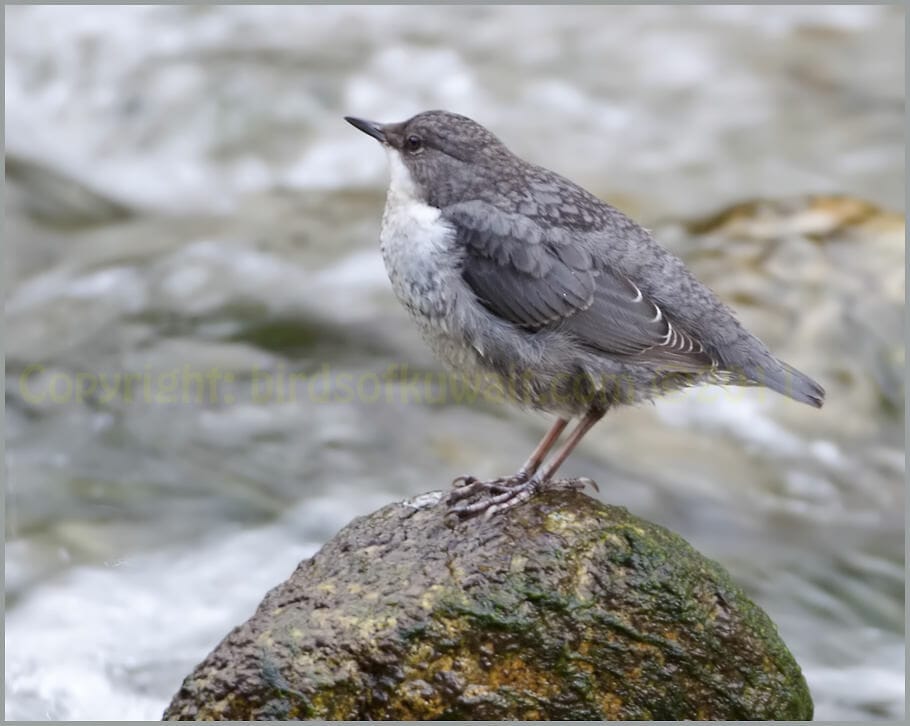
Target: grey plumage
x=515, y=273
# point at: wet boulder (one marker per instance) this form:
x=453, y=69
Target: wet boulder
x=563, y=608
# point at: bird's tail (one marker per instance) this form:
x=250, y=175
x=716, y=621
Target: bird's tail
x=787, y=380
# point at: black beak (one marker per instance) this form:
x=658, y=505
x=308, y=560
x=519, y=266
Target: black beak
x=370, y=128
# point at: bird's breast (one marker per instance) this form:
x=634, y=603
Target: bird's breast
x=417, y=248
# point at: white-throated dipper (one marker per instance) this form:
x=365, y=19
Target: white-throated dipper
x=516, y=275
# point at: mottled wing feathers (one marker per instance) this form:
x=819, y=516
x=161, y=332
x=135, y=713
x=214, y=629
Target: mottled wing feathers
x=528, y=286
x=621, y=320
x=540, y=280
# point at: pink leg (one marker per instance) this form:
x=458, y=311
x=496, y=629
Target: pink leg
x=467, y=486
x=511, y=496
x=585, y=425
x=530, y=467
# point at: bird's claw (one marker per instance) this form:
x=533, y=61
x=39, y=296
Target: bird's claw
x=499, y=495
x=466, y=486
x=489, y=497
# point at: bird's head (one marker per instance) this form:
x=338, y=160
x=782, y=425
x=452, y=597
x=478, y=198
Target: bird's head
x=436, y=155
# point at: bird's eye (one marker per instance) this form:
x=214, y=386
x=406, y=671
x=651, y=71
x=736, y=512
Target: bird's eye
x=413, y=143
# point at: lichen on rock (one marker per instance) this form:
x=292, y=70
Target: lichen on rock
x=564, y=608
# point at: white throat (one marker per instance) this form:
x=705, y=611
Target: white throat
x=401, y=184
x=406, y=212
x=415, y=241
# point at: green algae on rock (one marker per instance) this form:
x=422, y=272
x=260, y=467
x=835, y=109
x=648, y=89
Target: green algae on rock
x=565, y=608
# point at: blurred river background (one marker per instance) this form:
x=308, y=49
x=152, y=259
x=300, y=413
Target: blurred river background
x=183, y=197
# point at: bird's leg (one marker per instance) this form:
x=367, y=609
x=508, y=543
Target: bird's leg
x=524, y=490
x=467, y=486
x=530, y=467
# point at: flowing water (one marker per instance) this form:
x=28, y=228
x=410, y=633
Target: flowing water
x=204, y=359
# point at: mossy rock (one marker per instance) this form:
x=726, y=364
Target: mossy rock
x=562, y=608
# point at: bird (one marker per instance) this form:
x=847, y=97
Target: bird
x=517, y=276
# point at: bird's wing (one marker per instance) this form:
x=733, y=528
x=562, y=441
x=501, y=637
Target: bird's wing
x=539, y=280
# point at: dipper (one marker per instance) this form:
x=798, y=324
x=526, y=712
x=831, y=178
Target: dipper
x=519, y=278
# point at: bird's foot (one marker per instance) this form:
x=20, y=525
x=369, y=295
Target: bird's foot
x=500, y=495
x=466, y=487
